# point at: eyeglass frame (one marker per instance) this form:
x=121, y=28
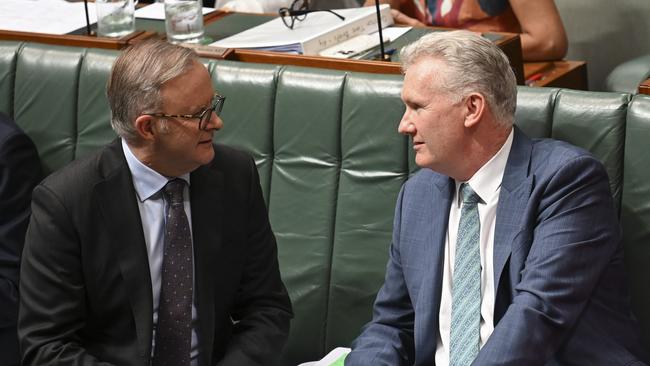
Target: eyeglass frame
x=300, y=12
x=216, y=107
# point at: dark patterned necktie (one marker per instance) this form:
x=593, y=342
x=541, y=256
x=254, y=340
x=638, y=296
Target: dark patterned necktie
x=465, y=335
x=174, y=330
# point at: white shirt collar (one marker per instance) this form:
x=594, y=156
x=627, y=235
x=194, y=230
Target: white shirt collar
x=487, y=180
x=146, y=181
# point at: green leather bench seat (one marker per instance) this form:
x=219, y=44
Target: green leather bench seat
x=331, y=164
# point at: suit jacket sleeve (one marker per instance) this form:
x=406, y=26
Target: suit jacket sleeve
x=262, y=307
x=20, y=171
x=388, y=338
x=52, y=303
x=575, y=235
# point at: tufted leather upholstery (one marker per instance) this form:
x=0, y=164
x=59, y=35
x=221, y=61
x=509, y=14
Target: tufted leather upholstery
x=331, y=164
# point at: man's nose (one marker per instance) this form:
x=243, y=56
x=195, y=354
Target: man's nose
x=215, y=122
x=405, y=127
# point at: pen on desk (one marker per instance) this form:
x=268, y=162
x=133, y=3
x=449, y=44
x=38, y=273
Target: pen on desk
x=533, y=78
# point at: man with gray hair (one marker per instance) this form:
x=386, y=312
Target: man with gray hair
x=156, y=250
x=506, y=250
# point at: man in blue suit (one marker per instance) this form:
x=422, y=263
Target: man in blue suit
x=506, y=250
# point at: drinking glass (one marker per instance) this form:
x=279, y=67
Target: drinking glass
x=184, y=21
x=115, y=18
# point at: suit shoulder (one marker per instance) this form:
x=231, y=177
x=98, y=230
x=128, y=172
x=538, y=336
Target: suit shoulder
x=229, y=158
x=78, y=176
x=11, y=134
x=552, y=159
x=424, y=178
x=554, y=154
x=561, y=150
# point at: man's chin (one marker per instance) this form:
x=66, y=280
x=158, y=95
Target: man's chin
x=207, y=156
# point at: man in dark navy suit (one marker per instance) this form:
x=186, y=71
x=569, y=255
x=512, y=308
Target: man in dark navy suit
x=20, y=171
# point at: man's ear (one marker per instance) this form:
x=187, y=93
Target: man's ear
x=146, y=127
x=476, y=107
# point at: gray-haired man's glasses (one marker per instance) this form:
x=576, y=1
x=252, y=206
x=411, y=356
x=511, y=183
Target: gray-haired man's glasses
x=203, y=116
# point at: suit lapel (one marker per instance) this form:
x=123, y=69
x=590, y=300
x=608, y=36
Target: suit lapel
x=438, y=204
x=206, y=197
x=117, y=203
x=515, y=192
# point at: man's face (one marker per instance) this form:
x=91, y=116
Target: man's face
x=432, y=118
x=183, y=147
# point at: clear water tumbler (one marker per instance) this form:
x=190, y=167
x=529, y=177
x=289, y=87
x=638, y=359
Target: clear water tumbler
x=115, y=18
x=184, y=21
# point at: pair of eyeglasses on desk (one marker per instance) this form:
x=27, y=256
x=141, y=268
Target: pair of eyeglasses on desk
x=298, y=12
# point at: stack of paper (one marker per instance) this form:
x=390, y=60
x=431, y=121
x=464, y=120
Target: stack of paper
x=157, y=11
x=44, y=16
x=318, y=31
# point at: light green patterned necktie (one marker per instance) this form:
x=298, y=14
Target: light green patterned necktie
x=466, y=286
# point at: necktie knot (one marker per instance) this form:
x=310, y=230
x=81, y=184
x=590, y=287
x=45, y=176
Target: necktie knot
x=468, y=194
x=173, y=191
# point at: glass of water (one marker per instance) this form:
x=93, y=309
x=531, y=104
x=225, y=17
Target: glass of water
x=184, y=21
x=115, y=18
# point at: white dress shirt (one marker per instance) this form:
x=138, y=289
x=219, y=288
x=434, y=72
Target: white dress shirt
x=486, y=182
x=148, y=185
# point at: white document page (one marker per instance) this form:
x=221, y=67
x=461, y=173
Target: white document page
x=333, y=358
x=157, y=11
x=275, y=33
x=44, y=16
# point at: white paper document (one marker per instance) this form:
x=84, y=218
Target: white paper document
x=44, y=16
x=334, y=358
x=318, y=31
x=157, y=11
x=357, y=45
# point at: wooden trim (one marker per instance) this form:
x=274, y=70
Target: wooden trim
x=267, y=57
x=80, y=40
x=644, y=87
x=511, y=46
x=509, y=43
x=72, y=39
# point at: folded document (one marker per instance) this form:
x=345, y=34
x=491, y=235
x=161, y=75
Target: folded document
x=318, y=31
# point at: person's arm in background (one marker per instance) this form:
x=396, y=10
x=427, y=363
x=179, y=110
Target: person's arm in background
x=398, y=16
x=542, y=34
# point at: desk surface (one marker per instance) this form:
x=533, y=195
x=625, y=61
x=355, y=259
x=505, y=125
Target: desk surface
x=219, y=25
x=561, y=74
x=226, y=24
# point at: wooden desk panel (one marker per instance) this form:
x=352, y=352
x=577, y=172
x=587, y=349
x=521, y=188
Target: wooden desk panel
x=509, y=42
x=80, y=39
x=217, y=20
x=76, y=40
x=561, y=74
x=644, y=87
x=265, y=57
